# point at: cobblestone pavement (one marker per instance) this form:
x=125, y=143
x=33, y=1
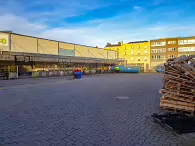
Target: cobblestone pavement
x=84, y=112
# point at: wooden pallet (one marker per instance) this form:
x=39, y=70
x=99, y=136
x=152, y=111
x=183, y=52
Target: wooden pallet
x=180, y=88
x=168, y=76
x=175, y=110
x=175, y=93
x=189, y=69
x=175, y=82
x=179, y=103
x=180, y=107
x=178, y=93
x=178, y=98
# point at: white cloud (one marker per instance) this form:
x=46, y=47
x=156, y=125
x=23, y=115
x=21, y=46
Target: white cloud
x=20, y=24
x=109, y=30
x=49, y=9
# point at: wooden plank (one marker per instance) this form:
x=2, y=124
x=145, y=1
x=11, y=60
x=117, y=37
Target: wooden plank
x=173, y=110
x=175, y=102
x=181, y=107
x=178, y=98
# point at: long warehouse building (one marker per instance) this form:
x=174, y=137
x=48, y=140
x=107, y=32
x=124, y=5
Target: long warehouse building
x=21, y=43
x=38, y=57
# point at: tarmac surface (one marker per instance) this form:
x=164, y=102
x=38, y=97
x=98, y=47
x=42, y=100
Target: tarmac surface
x=97, y=110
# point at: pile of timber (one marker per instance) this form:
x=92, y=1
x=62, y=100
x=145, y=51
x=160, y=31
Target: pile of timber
x=178, y=93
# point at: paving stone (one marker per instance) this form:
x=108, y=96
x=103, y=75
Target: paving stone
x=84, y=112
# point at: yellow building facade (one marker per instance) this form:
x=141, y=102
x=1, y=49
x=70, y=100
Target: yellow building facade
x=135, y=53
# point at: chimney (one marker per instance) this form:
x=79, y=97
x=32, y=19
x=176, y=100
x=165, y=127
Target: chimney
x=119, y=43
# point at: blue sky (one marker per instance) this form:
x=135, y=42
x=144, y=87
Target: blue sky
x=97, y=22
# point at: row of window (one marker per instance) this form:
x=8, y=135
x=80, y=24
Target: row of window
x=138, y=47
x=139, y=59
x=186, y=49
x=155, y=57
x=158, y=57
x=163, y=50
x=159, y=50
x=180, y=42
x=138, y=52
x=127, y=48
x=185, y=54
x=158, y=43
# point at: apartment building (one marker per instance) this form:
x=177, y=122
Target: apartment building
x=186, y=46
x=137, y=53
x=168, y=48
x=158, y=53
x=152, y=54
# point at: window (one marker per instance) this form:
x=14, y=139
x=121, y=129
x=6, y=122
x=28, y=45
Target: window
x=159, y=50
x=183, y=42
x=145, y=58
x=138, y=52
x=132, y=59
x=146, y=46
x=171, y=49
x=138, y=46
x=164, y=50
x=132, y=52
x=171, y=42
x=158, y=57
x=146, y=51
x=158, y=43
x=132, y=47
x=186, y=49
x=171, y=56
x=138, y=58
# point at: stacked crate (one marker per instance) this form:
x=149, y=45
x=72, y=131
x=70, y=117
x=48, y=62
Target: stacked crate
x=178, y=93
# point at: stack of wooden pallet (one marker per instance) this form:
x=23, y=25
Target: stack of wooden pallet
x=178, y=93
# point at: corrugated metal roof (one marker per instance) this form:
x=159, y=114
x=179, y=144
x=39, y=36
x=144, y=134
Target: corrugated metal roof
x=56, y=56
